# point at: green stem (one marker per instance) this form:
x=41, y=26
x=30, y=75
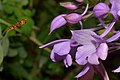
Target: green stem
x=4, y=22
x=39, y=43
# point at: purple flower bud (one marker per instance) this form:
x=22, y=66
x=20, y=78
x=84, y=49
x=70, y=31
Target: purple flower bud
x=58, y=22
x=79, y=0
x=101, y=9
x=73, y=18
x=69, y=5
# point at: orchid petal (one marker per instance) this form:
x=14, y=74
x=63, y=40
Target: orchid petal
x=68, y=60
x=83, y=72
x=102, y=51
x=116, y=36
x=118, y=13
x=83, y=37
x=83, y=52
x=54, y=42
x=73, y=43
x=52, y=56
x=89, y=75
x=58, y=57
x=93, y=59
x=108, y=29
x=62, y=48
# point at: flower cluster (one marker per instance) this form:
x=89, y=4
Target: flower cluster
x=85, y=46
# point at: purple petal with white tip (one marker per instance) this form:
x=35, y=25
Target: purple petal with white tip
x=102, y=51
x=58, y=22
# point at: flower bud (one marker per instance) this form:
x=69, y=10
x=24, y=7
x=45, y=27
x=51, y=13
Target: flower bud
x=79, y=0
x=73, y=18
x=58, y=22
x=69, y=5
x=100, y=10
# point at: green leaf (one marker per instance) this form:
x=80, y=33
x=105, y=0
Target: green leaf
x=86, y=1
x=18, y=71
x=11, y=33
x=8, y=8
x=12, y=52
x=90, y=23
x=24, y=2
x=5, y=45
x=22, y=53
x=18, y=12
x=28, y=12
x=1, y=69
x=1, y=33
x=43, y=60
x=1, y=54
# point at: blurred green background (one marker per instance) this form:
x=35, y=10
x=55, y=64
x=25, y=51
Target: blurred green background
x=20, y=56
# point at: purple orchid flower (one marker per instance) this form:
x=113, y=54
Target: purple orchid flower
x=93, y=46
x=64, y=49
x=85, y=46
x=115, y=9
